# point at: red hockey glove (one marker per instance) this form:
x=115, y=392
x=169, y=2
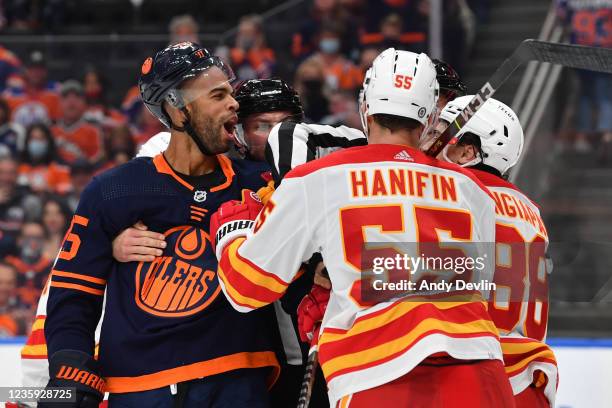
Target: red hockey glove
x=310, y=312
x=233, y=219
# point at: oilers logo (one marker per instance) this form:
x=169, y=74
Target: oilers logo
x=182, y=281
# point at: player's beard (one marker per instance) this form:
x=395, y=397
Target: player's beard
x=211, y=133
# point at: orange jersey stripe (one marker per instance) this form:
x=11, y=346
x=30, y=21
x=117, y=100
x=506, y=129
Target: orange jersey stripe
x=79, y=276
x=77, y=287
x=520, y=352
x=242, y=276
x=381, y=332
x=196, y=370
x=334, y=366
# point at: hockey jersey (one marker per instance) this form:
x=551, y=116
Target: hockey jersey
x=519, y=307
x=367, y=194
x=164, y=321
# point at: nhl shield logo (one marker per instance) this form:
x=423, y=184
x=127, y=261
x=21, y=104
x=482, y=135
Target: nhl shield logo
x=199, y=196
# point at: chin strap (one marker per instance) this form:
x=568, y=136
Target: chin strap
x=191, y=132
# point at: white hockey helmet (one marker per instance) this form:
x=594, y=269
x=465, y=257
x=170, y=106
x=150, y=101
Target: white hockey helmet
x=499, y=129
x=401, y=83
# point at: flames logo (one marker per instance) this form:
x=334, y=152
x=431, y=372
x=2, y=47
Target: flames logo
x=183, y=280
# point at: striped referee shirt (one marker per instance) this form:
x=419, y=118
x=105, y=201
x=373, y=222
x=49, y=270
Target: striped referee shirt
x=291, y=144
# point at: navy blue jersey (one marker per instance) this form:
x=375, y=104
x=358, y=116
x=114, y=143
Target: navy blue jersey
x=165, y=321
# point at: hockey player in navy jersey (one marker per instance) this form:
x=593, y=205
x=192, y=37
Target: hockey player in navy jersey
x=168, y=337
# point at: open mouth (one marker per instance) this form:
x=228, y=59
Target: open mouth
x=230, y=125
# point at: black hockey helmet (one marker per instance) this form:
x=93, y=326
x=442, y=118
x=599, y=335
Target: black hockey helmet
x=449, y=79
x=162, y=75
x=267, y=95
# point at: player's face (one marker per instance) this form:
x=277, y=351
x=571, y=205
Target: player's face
x=257, y=128
x=213, y=114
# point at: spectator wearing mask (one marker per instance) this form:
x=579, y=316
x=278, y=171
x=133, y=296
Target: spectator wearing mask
x=37, y=100
x=56, y=216
x=183, y=28
x=75, y=138
x=39, y=169
x=11, y=134
x=385, y=17
x=16, y=203
x=81, y=173
x=99, y=111
x=340, y=73
x=32, y=265
x=251, y=58
x=310, y=84
x=12, y=322
x=305, y=42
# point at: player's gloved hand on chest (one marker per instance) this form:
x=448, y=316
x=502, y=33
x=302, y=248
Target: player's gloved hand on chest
x=77, y=370
x=234, y=219
x=311, y=311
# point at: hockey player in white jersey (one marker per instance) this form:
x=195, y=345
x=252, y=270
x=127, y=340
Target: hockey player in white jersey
x=399, y=353
x=490, y=144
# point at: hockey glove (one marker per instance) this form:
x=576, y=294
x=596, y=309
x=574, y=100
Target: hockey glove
x=234, y=219
x=311, y=311
x=75, y=369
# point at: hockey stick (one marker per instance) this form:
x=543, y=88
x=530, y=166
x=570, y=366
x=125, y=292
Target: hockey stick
x=568, y=55
x=309, y=373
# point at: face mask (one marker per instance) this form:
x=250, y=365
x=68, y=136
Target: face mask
x=246, y=43
x=37, y=148
x=329, y=45
x=31, y=249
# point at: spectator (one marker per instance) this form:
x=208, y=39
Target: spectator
x=10, y=68
x=310, y=85
x=343, y=110
x=16, y=204
x=55, y=219
x=81, y=173
x=131, y=106
x=10, y=323
x=37, y=100
x=251, y=57
x=325, y=12
x=367, y=57
x=120, y=147
x=413, y=24
x=39, y=169
x=32, y=265
x=146, y=126
x=99, y=112
x=392, y=35
x=340, y=73
x=586, y=22
x=11, y=134
x=75, y=138
x=183, y=28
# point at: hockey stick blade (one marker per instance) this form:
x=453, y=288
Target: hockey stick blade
x=568, y=55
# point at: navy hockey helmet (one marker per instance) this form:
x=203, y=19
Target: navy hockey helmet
x=449, y=79
x=267, y=95
x=162, y=75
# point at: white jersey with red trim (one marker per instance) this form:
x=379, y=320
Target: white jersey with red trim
x=374, y=193
x=520, y=310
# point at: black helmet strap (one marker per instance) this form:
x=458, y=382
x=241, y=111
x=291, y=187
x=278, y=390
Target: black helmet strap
x=191, y=132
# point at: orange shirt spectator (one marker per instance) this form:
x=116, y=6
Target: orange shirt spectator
x=251, y=58
x=36, y=100
x=75, y=138
x=340, y=73
x=38, y=169
x=31, y=264
x=9, y=305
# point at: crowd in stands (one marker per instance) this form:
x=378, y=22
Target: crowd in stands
x=55, y=136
